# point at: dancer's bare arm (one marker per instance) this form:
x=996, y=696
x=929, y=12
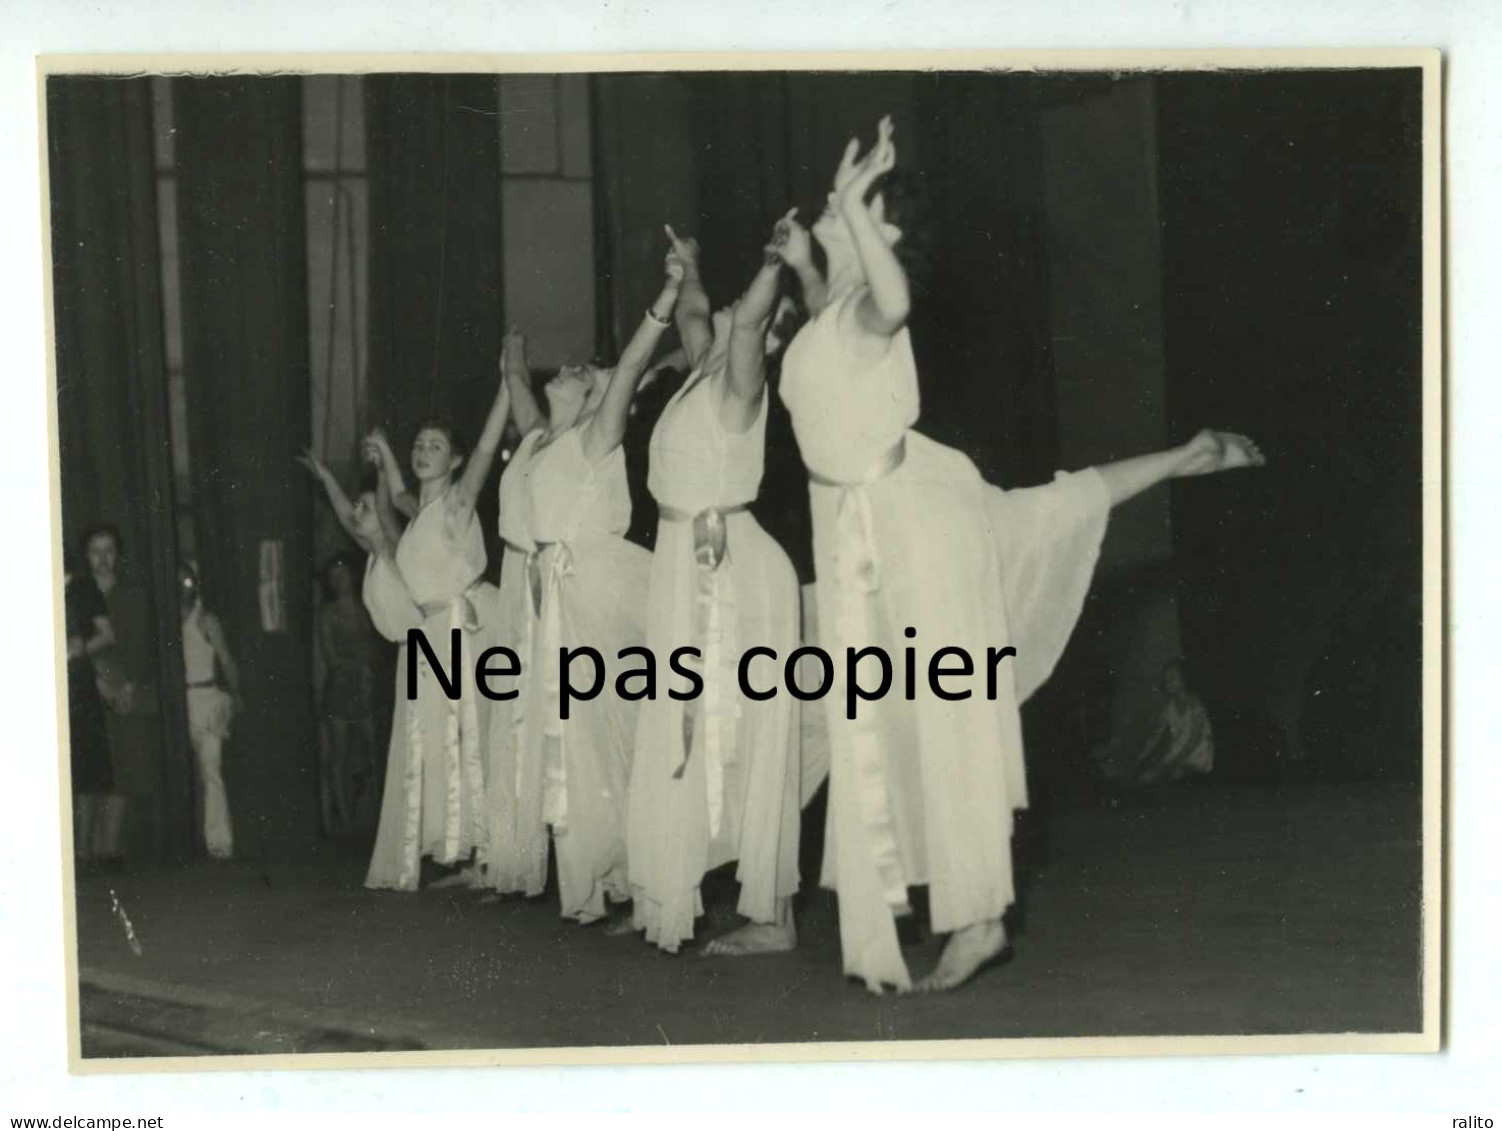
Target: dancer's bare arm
x=691, y=313
x=605, y=429
x=378, y=448
x=746, y=366
x=884, y=308
x=466, y=490
x=525, y=411
x=344, y=510
x=390, y=518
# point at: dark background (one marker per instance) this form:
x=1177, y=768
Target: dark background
x=1118, y=261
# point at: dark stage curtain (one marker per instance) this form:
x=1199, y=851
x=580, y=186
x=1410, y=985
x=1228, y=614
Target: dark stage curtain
x=436, y=317
x=245, y=351
x=114, y=441
x=723, y=156
x=1292, y=279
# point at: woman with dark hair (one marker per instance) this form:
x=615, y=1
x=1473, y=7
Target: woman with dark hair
x=441, y=559
x=88, y=633
x=126, y=681
x=589, y=588
x=716, y=779
x=911, y=543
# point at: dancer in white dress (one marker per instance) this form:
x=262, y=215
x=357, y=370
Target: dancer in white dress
x=716, y=779
x=441, y=559
x=589, y=585
x=912, y=546
x=373, y=523
x=516, y=853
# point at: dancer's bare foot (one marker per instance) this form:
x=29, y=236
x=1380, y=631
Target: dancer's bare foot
x=754, y=938
x=1210, y=452
x=463, y=878
x=967, y=950
x=621, y=925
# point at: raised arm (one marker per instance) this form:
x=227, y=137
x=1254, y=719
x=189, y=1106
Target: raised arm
x=344, y=510
x=462, y=499
x=883, y=309
x=525, y=410
x=607, y=427
x=387, y=514
x=692, y=312
x=791, y=244
x=378, y=450
x=746, y=369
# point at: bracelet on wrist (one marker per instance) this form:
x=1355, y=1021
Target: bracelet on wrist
x=659, y=319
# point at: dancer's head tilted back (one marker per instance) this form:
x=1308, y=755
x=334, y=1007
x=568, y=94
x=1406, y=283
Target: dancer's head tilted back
x=572, y=391
x=890, y=204
x=787, y=319
x=900, y=201
x=898, y=204
x=366, y=517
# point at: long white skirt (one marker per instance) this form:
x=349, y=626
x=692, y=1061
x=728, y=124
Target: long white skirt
x=923, y=791
x=734, y=793
x=433, y=803
x=594, y=593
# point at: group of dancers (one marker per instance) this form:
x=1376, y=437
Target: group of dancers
x=638, y=800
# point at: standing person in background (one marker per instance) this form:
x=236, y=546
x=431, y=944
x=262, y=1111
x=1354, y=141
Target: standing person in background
x=343, y=670
x=213, y=683
x=88, y=632
x=131, y=823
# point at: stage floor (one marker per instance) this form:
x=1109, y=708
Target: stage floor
x=1193, y=910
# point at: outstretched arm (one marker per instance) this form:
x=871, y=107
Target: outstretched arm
x=692, y=311
x=883, y=309
x=607, y=427
x=525, y=410
x=1206, y=454
x=344, y=510
x=378, y=450
x=746, y=369
x=462, y=499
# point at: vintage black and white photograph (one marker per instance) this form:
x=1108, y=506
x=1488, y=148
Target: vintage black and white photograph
x=585, y=558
